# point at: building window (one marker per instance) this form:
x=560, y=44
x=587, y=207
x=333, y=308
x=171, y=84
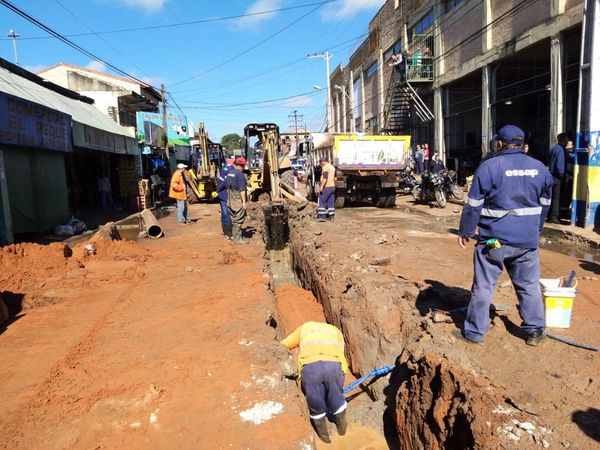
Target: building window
x=395, y=49
x=372, y=124
x=451, y=4
x=422, y=24
x=371, y=70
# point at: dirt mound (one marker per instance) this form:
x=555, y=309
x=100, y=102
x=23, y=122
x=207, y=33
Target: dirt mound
x=296, y=306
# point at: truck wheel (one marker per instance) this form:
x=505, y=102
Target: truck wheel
x=339, y=202
x=380, y=201
x=440, y=198
x=391, y=201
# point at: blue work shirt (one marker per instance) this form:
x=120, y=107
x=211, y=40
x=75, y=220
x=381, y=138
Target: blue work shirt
x=236, y=180
x=509, y=200
x=221, y=186
x=556, y=166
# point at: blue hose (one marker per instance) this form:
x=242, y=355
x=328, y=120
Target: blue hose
x=573, y=343
x=374, y=373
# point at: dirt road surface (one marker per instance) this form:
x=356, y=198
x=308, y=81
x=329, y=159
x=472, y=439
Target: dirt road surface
x=160, y=344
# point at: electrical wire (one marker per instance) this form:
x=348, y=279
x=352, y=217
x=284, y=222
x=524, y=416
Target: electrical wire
x=179, y=24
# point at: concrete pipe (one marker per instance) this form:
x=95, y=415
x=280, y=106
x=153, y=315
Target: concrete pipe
x=151, y=226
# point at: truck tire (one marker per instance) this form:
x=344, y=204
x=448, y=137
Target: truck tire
x=440, y=198
x=391, y=201
x=339, y=202
x=380, y=201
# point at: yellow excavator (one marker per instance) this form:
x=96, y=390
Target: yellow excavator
x=204, y=181
x=270, y=180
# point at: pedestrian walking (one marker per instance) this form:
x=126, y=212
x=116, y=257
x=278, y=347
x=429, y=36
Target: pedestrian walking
x=105, y=190
x=419, y=158
x=321, y=366
x=177, y=191
x=556, y=166
x=508, y=200
x=237, y=199
x=222, y=196
x=326, y=210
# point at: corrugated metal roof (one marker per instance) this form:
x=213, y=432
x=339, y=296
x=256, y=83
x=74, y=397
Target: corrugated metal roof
x=81, y=112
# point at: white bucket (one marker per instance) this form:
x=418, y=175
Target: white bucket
x=558, y=301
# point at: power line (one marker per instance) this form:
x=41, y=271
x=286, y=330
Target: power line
x=233, y=58
x=70, y=43
x=259, y=102
x=180, y=24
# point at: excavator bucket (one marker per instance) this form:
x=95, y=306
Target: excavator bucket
x=277, y=232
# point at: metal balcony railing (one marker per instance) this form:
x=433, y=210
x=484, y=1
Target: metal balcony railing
x=417, y=61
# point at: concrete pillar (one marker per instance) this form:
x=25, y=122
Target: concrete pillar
x=486, y=37
x=586, y=183
x=556, y=87
x=557, y=7
x=382, y=91
x=344, y=110
x=6, y=229
x=363, y=116
x=352, y=104
x=438, y=133
x=486, y=108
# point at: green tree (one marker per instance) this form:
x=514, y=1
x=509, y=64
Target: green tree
x=233, y=141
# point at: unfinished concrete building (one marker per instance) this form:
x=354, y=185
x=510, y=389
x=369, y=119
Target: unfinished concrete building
x=451, y=72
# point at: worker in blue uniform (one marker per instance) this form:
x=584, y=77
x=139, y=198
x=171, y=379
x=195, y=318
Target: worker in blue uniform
x=557, y=166
x=222, y=196
x=508, y=200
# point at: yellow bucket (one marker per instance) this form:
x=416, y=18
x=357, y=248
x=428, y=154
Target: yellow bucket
x=558, y=301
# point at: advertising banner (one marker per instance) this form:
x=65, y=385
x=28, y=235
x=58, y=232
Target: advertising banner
x=29, y=124
x=150, y=129
x=371, y=151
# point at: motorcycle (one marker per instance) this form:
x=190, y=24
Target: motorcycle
x=451, y=187
x=430, y=188
x=407, y=181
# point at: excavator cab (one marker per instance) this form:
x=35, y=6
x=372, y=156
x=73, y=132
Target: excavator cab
x=263, y=153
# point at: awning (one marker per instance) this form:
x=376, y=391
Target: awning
x=91, y=128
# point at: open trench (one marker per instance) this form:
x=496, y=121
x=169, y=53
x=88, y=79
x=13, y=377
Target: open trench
x=431, y=400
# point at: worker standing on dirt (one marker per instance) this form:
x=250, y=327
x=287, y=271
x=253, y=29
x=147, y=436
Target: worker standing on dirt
x=321, y=365
x=177, y=191
x=237, y=198
x=508, y=200
x=222, y=196
x=326, y=208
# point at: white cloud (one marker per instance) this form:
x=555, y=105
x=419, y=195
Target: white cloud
x=96, y=65
x=348, y=9
x=35, y=68
x=258, y=6
x=302, y=100
x=146, y=5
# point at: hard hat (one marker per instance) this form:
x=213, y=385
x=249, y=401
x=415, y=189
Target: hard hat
x=181, y=166
x=240, y=161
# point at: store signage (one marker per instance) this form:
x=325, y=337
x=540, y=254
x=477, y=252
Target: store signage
x=28, y=124
x=150, y=129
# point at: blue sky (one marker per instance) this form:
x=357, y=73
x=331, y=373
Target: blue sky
x=190, y=59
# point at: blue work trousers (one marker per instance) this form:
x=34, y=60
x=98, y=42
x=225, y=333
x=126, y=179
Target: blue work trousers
x=225, y=217
x=183, y=213
x=419, y=169
x=323, y=384
x=523, y=267
x=327, y=203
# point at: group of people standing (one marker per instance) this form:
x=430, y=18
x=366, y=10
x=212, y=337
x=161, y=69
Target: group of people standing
x=423, y=162
x=231, y=193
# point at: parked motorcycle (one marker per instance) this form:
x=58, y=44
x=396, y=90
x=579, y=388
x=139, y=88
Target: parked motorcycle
x=430, y=188
x=451, y=187
x=407, y=181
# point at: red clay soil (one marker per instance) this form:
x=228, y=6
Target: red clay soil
x=160, y=344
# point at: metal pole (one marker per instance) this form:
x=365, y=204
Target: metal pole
x=327, y=56
x=164, y=114
x=351, y=98
x=12, y=34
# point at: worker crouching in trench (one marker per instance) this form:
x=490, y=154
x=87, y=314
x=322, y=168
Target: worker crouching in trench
x=321, y=366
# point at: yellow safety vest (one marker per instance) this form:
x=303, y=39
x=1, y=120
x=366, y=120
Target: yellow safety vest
x=318, y=342
x=330, y=170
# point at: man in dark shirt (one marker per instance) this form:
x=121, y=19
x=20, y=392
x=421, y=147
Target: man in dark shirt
x=556, y=166
x=237, y=198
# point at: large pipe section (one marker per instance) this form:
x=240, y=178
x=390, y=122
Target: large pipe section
x=151, y=226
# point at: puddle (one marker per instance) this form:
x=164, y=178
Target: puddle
x=357, y=438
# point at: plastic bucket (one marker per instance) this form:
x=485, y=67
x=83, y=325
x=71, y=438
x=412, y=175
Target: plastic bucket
x=558, y=301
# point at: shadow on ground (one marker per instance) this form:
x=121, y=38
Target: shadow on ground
x=588, y=421
x=13, y=306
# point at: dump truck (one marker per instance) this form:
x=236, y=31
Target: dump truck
x=367, y=167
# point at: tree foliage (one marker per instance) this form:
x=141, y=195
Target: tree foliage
x=233, y=141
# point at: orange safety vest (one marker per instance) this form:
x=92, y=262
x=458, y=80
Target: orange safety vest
x=177, y=187
x=330, y=170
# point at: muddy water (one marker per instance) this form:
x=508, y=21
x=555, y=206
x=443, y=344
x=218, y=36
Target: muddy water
x=357, y=438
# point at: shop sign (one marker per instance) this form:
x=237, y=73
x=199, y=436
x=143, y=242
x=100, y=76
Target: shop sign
x=29, y=124
x=150, y=129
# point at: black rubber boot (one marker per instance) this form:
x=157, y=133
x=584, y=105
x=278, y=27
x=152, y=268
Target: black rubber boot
x=340, y=423
x=228, y=230
x=320, y=426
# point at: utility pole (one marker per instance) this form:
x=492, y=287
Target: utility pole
x=326, y=56
x=12, y=34
x=294, y=115
x=164, y=114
